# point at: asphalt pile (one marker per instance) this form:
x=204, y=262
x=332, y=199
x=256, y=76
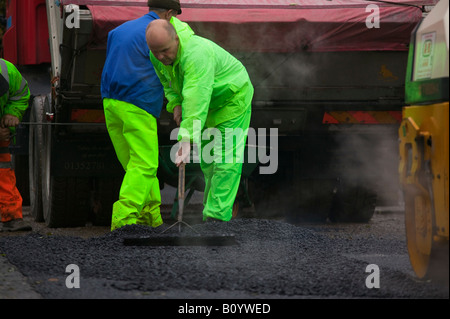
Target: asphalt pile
x=271, y=259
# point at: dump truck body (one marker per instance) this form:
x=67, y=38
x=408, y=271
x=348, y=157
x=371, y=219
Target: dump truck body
x=329, y=89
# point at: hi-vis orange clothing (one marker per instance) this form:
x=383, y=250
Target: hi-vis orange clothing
x=14, y=97
x=10, y=198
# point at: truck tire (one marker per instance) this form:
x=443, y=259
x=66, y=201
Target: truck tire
x=35, y=147
x=299, y=201
x=353, y=204
x=65, y=200
x=67, y=204
x=311, y=200
x=266, y=198
x=105, y=193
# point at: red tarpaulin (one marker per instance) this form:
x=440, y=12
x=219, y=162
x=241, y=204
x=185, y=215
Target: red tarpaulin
x=279, y=25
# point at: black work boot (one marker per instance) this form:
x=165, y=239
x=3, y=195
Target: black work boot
x=16, y=225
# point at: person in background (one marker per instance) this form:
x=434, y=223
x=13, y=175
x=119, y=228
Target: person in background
x=14, y=99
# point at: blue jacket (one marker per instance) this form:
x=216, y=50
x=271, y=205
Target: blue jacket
x=128, y=74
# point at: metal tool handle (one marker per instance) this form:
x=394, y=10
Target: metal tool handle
x=181, y=185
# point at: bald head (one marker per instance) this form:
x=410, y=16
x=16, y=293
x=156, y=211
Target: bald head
x=162, y=40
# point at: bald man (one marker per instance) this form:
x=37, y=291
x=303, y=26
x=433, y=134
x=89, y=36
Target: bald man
x=206, y=87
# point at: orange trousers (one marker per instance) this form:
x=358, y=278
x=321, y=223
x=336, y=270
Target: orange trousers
x=10, y=198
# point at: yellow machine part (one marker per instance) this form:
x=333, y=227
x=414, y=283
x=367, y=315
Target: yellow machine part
x=424, y=170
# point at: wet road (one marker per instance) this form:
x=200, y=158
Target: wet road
x=273, y=259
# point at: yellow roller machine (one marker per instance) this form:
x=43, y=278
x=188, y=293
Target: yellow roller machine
x=424, y=143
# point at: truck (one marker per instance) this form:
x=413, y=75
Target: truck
x=329, y=81
x=424, y=143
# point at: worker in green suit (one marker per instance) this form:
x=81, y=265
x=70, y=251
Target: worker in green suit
x=208, y=90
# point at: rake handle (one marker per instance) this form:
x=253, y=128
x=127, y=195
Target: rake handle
x=181, y=190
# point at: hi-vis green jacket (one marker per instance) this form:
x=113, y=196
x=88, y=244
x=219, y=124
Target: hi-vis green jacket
x=14, y=91
x=209, y=83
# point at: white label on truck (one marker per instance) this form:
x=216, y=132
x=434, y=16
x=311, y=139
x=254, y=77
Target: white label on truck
x=424, y=56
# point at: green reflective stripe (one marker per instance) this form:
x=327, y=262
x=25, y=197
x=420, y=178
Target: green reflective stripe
x=18, y=97
x=21, y=92
x=4, y=67
x=5, y=165
x=23, y=85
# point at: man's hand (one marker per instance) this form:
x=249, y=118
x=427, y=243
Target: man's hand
x=177, y=114
x=183, y=153
x=9, y=120
x=5, y=134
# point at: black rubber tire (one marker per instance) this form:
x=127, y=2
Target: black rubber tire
x=68, y=203
x=353, y=204
x=35, y=147
x=105, y=193
x=65, y=200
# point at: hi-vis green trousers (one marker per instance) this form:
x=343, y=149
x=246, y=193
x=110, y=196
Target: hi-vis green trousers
x=133, y=133
x=222, y=170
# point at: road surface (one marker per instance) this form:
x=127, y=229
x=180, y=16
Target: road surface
x=273, y=259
